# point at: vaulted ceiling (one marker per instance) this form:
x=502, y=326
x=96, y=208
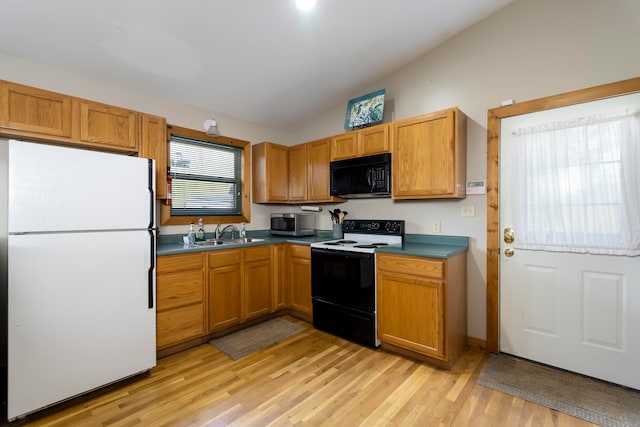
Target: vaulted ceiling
x=260, y=60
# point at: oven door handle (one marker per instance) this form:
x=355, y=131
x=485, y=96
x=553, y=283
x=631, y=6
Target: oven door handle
x=344, y=254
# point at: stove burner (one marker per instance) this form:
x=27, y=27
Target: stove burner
x=365, y=246
x=379, y=244
x=340, y=242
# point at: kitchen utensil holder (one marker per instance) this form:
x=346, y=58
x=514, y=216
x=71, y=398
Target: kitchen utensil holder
x=337, y=231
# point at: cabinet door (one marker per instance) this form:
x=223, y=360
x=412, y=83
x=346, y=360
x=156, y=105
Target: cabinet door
x=270, y=173
x=278, y=277
x=411, y=314
x=153, y=145
x=319, y=156
x=29, y=109
x=257, y=288
x=373, y=140
x=427, y=159
x=344, y=146
x=106, y=125
x=299, y=278
x=298, y=172
x=225, y=288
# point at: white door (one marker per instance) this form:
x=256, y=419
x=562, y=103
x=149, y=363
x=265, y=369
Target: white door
x=579, y=312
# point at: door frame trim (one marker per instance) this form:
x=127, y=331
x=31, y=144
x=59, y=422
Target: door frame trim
x=493, y=181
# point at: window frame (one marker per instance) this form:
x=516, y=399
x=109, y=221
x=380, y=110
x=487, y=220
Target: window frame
x=165, y=210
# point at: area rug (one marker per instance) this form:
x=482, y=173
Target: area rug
x=242, y=343
x=592, y=400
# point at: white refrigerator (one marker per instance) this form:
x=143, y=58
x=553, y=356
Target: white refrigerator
x=78, y=271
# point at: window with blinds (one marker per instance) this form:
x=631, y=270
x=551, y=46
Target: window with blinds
x=206, y=178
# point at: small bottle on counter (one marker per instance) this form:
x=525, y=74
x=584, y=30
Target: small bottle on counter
x=242, y=232
x=192, y=234
x=200, y=231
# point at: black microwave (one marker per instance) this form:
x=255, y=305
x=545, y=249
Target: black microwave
x=362, y=177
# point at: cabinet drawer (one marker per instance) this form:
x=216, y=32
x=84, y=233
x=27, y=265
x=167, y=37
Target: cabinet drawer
x=180, y=288
x=175, y=326
x=300, y=251
x=225, y=257
x=257, y=253
x=170, y=263
x=411, y=265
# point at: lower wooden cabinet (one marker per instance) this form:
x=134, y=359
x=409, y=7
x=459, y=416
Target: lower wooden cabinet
x=206, y=292
x=180, y=299
x=225, y=288
x=299, y=278
x=257, y=282
x=422, y=305
x=278, y=277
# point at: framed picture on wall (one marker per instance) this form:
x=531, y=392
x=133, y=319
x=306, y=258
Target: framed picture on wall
x=365, y=110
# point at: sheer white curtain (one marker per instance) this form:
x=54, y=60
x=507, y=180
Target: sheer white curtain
x=577, y=185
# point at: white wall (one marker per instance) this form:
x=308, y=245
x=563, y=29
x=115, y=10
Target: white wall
x=530, y=49
x=64, y=81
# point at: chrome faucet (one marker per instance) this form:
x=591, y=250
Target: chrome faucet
x=219, y=232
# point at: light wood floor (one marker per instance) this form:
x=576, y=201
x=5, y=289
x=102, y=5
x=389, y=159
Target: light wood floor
x=311, y=379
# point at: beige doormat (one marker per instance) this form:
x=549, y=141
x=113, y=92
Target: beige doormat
x=592, y=400
x=242, y=343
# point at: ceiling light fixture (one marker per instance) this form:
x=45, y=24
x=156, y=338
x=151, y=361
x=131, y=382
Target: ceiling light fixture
x=305, y=4
x=211, y=126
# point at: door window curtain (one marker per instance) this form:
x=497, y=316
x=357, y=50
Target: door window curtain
x=577, y=185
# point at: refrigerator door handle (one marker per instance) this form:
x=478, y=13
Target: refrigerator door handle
x=152, y=267
x=152, y=194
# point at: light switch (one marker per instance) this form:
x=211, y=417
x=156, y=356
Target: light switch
x=468, y=210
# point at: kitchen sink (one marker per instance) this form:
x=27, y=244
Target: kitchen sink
x=219, y=242
x=245, y=240
x=212, y=242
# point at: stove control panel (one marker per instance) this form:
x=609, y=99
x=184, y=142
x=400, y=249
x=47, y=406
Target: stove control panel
x=366, y=226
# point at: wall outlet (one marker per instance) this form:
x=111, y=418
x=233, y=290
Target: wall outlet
x=468, y=210
x=436, y=226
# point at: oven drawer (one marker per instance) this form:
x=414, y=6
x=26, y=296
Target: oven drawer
x=411, y=265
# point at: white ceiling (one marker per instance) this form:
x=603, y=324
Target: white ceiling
x=259, y=60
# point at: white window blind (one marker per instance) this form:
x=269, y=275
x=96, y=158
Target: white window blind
x=577, y=188
x=206, y=178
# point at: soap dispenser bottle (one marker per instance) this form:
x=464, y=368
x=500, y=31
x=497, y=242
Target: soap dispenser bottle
x=243, y=232
x=200, y=231
x=192, y=234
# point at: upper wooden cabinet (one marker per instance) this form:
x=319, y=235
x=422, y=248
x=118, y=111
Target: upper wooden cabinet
x=428, y=155
x=153, y=145
x=106, y=125
x=298, y=173
x=364, y=142
x=318, y=174
x=270, y=171
x=28, y=109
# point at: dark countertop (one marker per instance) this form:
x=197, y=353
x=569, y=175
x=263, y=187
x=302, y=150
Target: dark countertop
x=172, y=244
x=429, y=246
x=425, y=245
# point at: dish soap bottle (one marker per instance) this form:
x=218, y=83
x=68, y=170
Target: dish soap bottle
x=243, y=232
x=200, y=231
x=192, y=234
